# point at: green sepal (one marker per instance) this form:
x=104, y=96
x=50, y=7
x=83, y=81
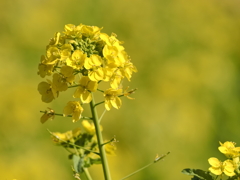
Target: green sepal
x=96, y=161
x=197, y=174
x=78, y=163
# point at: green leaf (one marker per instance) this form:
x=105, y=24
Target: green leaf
x=198, y=174
x=233, y=178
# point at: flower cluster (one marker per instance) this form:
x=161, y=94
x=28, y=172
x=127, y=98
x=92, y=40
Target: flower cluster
x=229, y=167
x=82, y=57
x=82, y=143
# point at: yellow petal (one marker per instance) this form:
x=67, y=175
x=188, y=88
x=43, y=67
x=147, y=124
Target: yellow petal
x=108, y=105
x=86, y=97
x=216, y=171
x=78, y=92
x=214, y=162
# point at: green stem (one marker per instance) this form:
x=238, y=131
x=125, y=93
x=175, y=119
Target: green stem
x=87, y=173
x=57, y=114
x=100, y=140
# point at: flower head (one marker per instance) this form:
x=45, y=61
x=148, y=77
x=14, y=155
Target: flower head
x=89, y=52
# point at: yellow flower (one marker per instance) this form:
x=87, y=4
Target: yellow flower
x=72, y=31
x=116, y=79
x=67, y=72
x=66, y=51
x=86, y=86
x=59, y=82
x=228, y=148
x=112, y=99
x=73, y=108
x=93, y=65
x=114, y=55
x=218, y=167
x=44, y=68
x=53, y=55
x=77, y=59
x=91, y=31
x=128, y=69
x=48, y=91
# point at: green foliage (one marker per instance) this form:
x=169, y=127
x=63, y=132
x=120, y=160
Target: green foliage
x=197, y=174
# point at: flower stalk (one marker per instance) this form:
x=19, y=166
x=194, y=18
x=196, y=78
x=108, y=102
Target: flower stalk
x=100, y=140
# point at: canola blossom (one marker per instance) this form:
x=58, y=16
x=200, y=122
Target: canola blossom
x=229, y=150
x=89, y=61
x=218, y=167
x=229, y=167
x=84, y=57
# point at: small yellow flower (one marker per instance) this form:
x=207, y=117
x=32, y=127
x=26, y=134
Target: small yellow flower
x=218, y=167
x=95, y=70
x=67, y=72
x=53, y=55
x=66, y=51
x=229, y=150
x=59, y=82
x=72, y=31
x=76, y=60
x=112, y=99
x=44, y=68
x=48, y=91
x=86, y=86
x=116, y=79
x=91, y=31
x=128, y=69
x=114, y=55
x=73, y=108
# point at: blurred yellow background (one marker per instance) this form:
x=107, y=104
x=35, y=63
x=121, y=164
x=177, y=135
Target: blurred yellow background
x=188, y=98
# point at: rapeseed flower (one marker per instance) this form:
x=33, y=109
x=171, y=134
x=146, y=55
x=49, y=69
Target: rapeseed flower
x=73, y=108
x=229, y=150
x=86, y=86
x=217, y=167
x=95, y=70
x=112, y=99
x=48, y=91
x=87, y=51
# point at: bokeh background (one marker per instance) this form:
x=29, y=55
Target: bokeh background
x=188, y=98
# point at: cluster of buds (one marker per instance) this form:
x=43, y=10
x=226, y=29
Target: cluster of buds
x=82, y=57
x=229, y=167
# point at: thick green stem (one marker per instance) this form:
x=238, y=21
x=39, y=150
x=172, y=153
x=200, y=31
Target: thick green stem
x=100, y=140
